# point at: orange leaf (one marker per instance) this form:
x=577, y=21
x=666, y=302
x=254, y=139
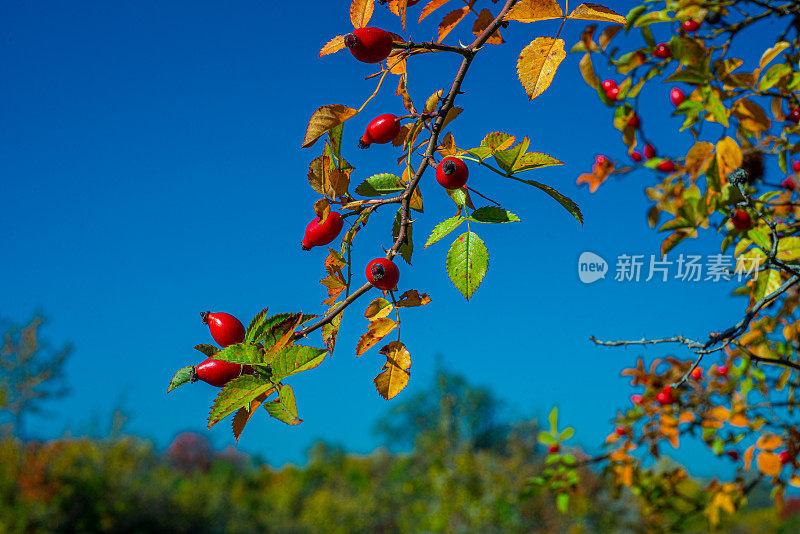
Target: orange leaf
x=748, y=456
x=484, y=20
x=729, y=157
x=533, y=10
x=769, y=442
x=596, y=12
x=325, y=118
x=698, y=157
x=378, y=329
x=538, y=62
x=332, y=46
x=361, y=12
x=751, y=115
x=430, y=7
x=450, y=21
x=769, y=463
x=411, y=298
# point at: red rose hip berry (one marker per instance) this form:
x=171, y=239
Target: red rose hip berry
x=636, y=156
x=697, y=373
x=796, y=165
x=552, y=449
x=370, y=45
x=662, y=51
x=794, y=116
x=382, y=129
x=788, y=183
x=225, y=328
x=690, y=25
x=741, y=220
x=318, y=234
x=649, y=151
x=722, y=370
x=621, y=431
x=452, y=173
x=608, y=84
x=785, y=457
x=635, y=121
x=677, y=96
x=666, y=166
x=383, y=273
x=217, y=372
x=664, y=396
x=613, y=94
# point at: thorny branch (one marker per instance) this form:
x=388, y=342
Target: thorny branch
x=404, y=198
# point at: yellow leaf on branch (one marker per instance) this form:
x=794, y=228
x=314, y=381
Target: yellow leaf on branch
x=596, y=12
x=729, y=157
x=485, y=18
x=378, y=329
x=769, y=463
x=361, y=12
x=325, y=118
x=394, y=377
x=537, y=64
x=332, y=46
x=450, y=21
x=533, y=10
x=769, y=442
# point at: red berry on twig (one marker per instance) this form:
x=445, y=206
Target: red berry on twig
x=666, y=166
x=636, y=156
x=677, y=96
x=318, y=234
x=452, y=173
x=649, y=151
x=690, y=25
x=370, y=45
x=217, y=372
x=742, y=221
x=383, y=273
x=382, y=129
x=662, y=51
x=224, y=327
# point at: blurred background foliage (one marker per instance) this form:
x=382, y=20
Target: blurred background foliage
x=452, y=464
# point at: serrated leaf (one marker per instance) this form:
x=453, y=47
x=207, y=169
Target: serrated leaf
x=244, y=414
x=766, y=284
x=330, y=332
x=256, y=325
x=430, y=7
x=493, y=214
x=236, y=394
x=284, y=408
x=444, y=228
x=241, y=353
x=450, y=21
x=295, y=359
x=484, y=20
x=498, y=141
x=325, y=118
x=789, y=248
x=534, y=160
x=533, y=10
x=565, y=201
x=596, y=12
x=380, y=184
x=506, y=159
x=378, y=329
x=412, y=298
x=332, y=46
x=467, y=262
x=361, y=12
x=537, y=64
x=181, y=377
x=396, y=371
x=208, y=350
x=407, y=248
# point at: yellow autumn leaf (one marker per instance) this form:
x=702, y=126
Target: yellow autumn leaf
x=537, y=64
x=361, y=12
x=587, y=70
x=751, y=115
x=332, y=46
x=378, y=329
x=533, y=10
x=395, y=374
x=729, y=157
x=450, y=21
x=748, y=456
x=325, y=118
x=430, y=7
x=768, y=463
x=698, y=157
x=739, y=420
x=378, y=308
x=412, y=298
x=769, y=442
x=596, y=12
x=771, y=53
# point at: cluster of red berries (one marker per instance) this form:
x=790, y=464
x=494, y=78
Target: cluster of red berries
x=794, y=115
x=611, y=89
x=226, y=330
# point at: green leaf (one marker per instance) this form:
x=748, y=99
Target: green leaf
x=444, y=228
x=467, y=262
x=276, y=326
x=760, y=238
x=534, y=160
x=335, y=139
x=380, y=184
x=506, y=159
x=715, y=107
x=633, y=16
x=766, y=283
x=181, y=377
x=674, y=224
x=691, y=75
x=459, y=196
x=284, y=408
x=407, y=248
x=208, y=350
x=546, y=438
x=256, y=325
x=481, y=152
x=553, y=418
x=495, y=140
x=562, y=502
x=789, y=248
x=493, y=214
x=565, y=201
x=236, y=394
x=295, y=359
x=241, y=353
x=773, y=76
x=566, y=434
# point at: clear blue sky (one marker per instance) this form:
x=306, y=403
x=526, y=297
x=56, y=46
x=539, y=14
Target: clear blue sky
x=150, y=169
